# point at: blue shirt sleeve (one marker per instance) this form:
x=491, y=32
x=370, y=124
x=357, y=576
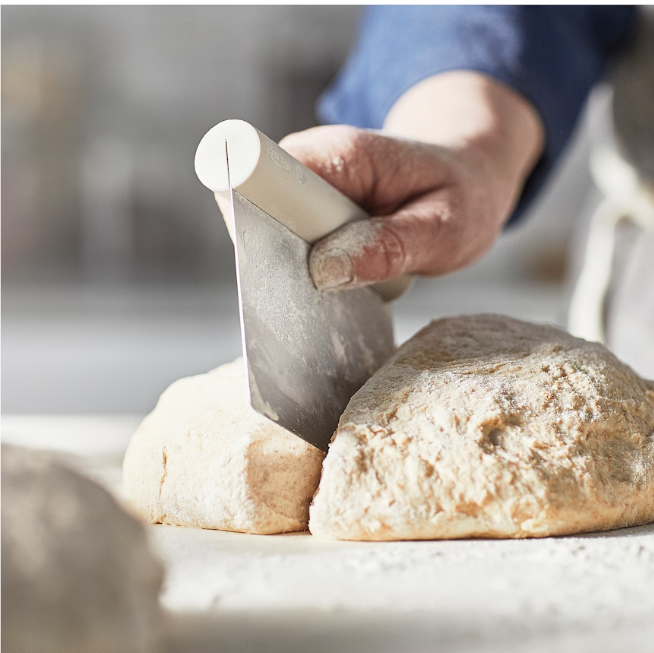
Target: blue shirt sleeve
x=552, y=55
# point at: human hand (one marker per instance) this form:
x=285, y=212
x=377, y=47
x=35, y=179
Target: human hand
x=438, y=198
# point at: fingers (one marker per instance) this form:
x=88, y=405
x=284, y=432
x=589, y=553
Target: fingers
x=377, y=172
x=338, y=154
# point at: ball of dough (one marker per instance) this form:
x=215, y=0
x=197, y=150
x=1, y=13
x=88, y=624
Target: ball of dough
x=205, y=458
x=486, y=426
x=77, y=574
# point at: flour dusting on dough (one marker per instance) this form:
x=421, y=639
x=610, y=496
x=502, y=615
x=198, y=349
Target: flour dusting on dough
x=486, y=426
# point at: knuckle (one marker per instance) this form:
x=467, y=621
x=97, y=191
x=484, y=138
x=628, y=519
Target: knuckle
x=392, y=250
x=357, y=138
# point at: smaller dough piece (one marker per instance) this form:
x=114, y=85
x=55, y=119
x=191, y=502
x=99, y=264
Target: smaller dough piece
x=204, y=458
x=486, y=426
x=77, y=573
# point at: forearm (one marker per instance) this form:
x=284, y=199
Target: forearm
x=479, y=117
x=551, y=55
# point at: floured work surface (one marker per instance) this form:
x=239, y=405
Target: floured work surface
x=244, y=593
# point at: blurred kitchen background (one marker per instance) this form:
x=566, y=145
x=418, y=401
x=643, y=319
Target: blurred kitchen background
x=117, y=271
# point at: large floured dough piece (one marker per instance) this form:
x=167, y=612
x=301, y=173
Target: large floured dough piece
x=486, y=426
x=205, y=458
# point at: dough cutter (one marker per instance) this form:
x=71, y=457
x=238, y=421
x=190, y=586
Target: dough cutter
x=306, y=351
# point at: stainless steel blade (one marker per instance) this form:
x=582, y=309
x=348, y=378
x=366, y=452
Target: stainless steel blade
x=307, y=351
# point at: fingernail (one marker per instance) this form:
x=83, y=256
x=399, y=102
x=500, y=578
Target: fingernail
x=331, y=269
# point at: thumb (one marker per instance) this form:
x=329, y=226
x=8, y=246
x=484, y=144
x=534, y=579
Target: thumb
x=424, y=237
x=358, y=254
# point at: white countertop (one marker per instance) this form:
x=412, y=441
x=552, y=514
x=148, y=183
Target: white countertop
x=232, y=592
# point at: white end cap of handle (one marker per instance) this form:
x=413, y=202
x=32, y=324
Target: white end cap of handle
x=244, y=147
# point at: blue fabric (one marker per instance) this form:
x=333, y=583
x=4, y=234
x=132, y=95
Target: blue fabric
x=552, y=55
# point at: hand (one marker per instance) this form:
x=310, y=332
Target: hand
x=440, y=180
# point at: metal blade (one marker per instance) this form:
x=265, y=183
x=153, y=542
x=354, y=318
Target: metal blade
x=307, y=351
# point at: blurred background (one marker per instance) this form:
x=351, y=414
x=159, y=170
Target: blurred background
x=117, y=271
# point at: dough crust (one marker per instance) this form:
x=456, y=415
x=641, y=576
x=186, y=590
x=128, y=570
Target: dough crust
x=486, y=426
x=205, y=458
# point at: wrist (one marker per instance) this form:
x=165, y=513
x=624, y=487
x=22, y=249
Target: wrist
x=486, y=123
